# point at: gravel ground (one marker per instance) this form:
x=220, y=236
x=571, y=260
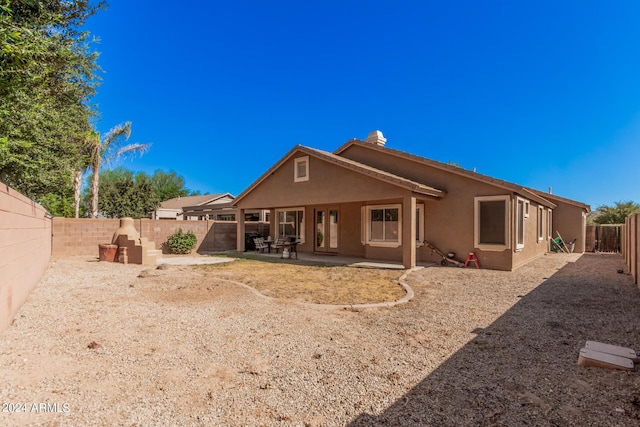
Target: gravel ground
x=474, y=347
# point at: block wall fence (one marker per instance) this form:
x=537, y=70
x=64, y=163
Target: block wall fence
x=630, y=244
x=81, y=236
x=25, y=250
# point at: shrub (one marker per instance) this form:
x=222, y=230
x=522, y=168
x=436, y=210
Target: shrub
x=181, y=243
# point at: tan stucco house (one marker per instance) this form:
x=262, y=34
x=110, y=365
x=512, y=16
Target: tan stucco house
x=195, y=207
x=368, y=200
x=216, y=207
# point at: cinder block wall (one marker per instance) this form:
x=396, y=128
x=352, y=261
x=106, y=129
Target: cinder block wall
x=25, y=250
x=158, y=230
x=83, y=235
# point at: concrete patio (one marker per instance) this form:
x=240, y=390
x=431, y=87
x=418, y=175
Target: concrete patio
x=331, y=260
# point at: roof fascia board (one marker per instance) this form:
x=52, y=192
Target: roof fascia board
x=218, y=197
x=536, y=198
x=264, y=176
x=449, y=168
x=381, y=175
x=348, y=164
x=584, y=206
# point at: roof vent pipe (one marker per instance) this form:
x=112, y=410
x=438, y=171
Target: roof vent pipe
x=376, y=138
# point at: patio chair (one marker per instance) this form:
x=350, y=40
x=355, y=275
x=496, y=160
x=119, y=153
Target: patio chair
x=260, y=244
x=291, y=247
x=278, y=244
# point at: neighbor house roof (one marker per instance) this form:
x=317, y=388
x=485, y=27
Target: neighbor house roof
x=180, y=202
x=381, y=175
x=205, y=207
x=531, y=194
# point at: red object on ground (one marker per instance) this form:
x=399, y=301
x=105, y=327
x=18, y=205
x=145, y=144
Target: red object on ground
x=107, y=252
x=472, y=258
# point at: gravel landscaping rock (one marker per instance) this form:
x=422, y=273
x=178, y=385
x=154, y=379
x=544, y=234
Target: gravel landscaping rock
x=102, y=344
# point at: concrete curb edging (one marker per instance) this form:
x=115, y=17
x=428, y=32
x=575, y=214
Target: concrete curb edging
x=401, y=282
x=249, y=288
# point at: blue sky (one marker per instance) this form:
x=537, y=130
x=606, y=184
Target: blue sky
x=543, y=94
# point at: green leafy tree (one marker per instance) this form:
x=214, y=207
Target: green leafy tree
x=615, y=214
x=48, y=73
x=37, y=35
x=57, y=204
x=123, y=194
x=168, y=185
x=106, y=150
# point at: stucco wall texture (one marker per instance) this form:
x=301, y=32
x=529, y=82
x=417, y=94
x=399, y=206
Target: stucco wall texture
x=25, y=250
x=449, y=221
x=81, y=236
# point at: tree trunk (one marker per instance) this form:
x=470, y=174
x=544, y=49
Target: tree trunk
x=77, y=185
x=94, y=191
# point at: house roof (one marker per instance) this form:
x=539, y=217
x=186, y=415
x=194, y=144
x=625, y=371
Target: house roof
x=540, y=197
x=553, y=197
x=180, y=202
x=205, y=207
x=379, y=174
x=529, y=193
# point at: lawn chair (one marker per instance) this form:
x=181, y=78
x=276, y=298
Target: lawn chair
x=278, y=244
x=260, y=244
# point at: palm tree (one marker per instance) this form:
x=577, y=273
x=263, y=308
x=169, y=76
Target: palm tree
x=77, y=187
x=107, y=149
x=83, y=163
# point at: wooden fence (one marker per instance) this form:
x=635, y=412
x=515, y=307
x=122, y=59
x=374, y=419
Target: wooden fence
x=604, y=238
x=630, y=243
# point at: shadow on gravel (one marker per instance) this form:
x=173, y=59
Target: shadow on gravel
x=522, y=370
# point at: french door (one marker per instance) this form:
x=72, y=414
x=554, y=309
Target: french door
x=326, y=230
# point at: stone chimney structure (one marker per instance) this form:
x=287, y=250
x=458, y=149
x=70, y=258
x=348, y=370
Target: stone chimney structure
x=376, y=138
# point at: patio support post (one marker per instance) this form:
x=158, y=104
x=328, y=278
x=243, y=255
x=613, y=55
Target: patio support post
x=240, y=230
x=273, y=223
x=409, y=232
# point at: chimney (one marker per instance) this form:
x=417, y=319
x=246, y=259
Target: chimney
x=376, y=138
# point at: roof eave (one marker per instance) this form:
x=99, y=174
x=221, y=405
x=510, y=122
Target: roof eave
x=537, y=198
x=584, y=206
x=265, y=175
x=535, y=195
x=364, y=169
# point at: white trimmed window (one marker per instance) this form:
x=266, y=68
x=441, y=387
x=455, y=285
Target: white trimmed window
x=419, y=224
x=540, y=223
x=301, y=169
x=384, y=225
x=491, y=215
x=291, y=223
x=549, y=224
x=521, y=212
